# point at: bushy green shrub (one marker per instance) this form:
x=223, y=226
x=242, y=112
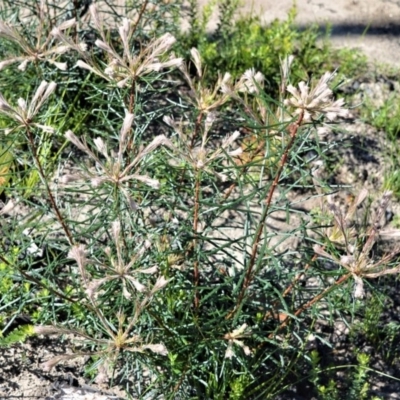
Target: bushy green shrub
x=244, y=42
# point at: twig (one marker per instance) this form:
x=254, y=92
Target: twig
x=195, y=227
x=293, y=129
x=304, y=307
x=140, y=16
x=38, y=282
x=51, y=197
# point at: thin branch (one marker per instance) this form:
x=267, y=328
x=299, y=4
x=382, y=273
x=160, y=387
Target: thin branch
x=141, y=12
x=293, y=129
x=49, y=192
x=314, y=300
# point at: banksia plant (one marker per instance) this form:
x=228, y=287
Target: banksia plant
x=24, y=114
x=163, y=234
x=124, y=69
x=115, y=169
x=358, y=260
x=45, y=50
x=317, y=101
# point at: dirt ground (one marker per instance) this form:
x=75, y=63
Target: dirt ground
x=370, y=25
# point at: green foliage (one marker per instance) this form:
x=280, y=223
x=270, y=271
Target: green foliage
x=385, y=117
x=151, y=242
x=239, y=387
x=392, y=181
x=6, y=275
x=329, y=392
x=6, y=163
x=381, y=336
x=352, y=63
x=355, y=378
x=246, y=43
x=359, y=388
x=372, y=311
x=19, y=335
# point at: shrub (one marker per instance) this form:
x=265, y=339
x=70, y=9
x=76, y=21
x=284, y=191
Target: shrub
x=152, y=194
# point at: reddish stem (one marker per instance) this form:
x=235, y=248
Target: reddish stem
x=196, y=274
x=130, y=109
x=195, y=227
x=196, y=129
x=139, y=16
x=290, y=287
x=293, y=129
x=51, y=197
x=310, y=303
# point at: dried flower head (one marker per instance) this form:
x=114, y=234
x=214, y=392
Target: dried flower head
x=233, y=338
x=205, y=99
x=120, y=338
x=117, y=268
x=8, y=207
x=25, y=114
x=319, y=100
x=128, y=66
x=358, y=259
x=343, y=228
x=202, y=155
x=286, y=65
x=112, y=169
x=250, y=82
x=44, y=51
x=160, y=284
x=78, y=253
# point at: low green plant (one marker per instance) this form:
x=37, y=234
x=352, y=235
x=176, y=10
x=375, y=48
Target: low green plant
x=244, y=42
x=376, y=333
x=355, y=379
x=360, y=386
x=6, y=163
x=19, y=335
x=392, y=181
x=386, y=118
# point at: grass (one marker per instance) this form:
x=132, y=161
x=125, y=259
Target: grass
x=141, y=170
x=381, y=110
